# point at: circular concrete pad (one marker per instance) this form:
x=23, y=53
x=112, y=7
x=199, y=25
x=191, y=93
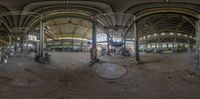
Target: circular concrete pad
x=110, y=71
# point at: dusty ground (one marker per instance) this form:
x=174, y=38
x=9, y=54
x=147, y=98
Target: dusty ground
x=171, y=76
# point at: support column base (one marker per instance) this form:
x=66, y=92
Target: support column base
x=93, y=55
x=92, y=62
x=138, y=61
x=108, y=53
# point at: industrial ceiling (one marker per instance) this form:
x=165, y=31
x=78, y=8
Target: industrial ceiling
x=72, y=17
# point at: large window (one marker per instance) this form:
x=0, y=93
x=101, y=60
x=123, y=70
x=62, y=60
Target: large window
x=32, y=37
x=162, y=33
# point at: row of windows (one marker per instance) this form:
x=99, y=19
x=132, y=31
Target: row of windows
x=167, y=34
x=32, y=37
x=166, y=45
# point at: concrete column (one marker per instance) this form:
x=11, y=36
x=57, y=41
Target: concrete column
x=175, y=44
x=72, y=43
x=155, y=45
x=161, y=46
x=81, y=50
x=21, y=42
x=146, y=45
x=27, y=43
x=124, y=42
x=10, y=42
x=93, y=51
x=3, y=47
x=108, y=47
x=41, y=36
x=63, y=45
x=137, y=56
x=189, y=49
x=167, y=45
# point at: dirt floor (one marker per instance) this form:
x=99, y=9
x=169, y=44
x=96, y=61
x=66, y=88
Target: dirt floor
x=159, y=76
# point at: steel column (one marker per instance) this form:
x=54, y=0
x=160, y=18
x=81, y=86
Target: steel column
x=137, y=56
x=10, y=42
x=108, y=47
x=62, y=46
x=27, y=44
x=124, y=42
x=198, y=41
x=41, y=36
x=146, y=46
x=175, y=43
x=93, y=51
x=160, y=44
x=189, y=50
x=94, y=34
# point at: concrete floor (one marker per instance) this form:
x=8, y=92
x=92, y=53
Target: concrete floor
x=166, y=76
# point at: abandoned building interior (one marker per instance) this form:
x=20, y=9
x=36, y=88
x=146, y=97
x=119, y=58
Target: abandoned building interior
x=99, y=49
